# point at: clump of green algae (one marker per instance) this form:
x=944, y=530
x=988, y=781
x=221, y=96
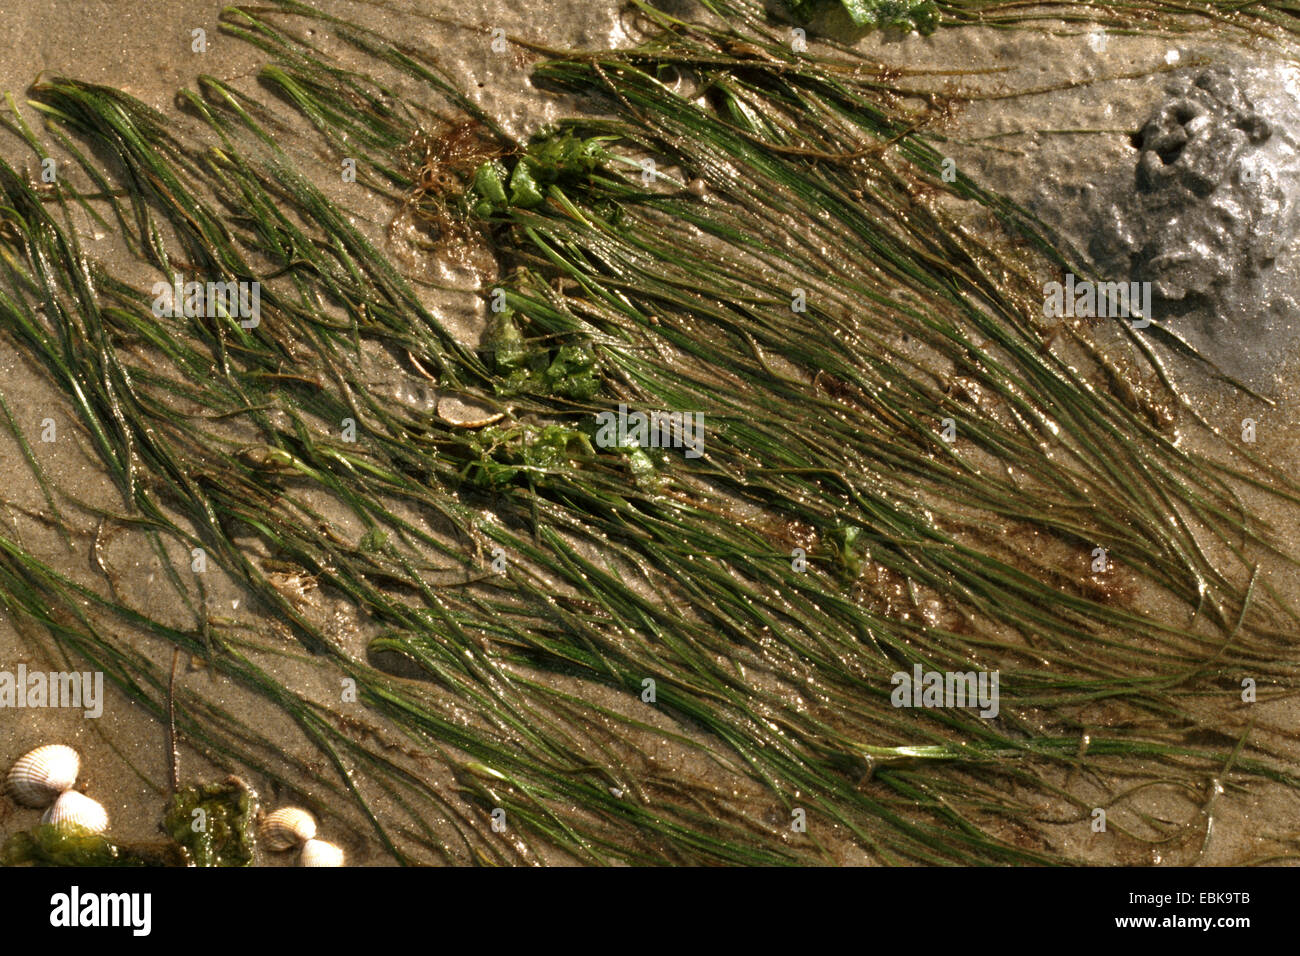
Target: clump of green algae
x=920, y=15
x=213, y=823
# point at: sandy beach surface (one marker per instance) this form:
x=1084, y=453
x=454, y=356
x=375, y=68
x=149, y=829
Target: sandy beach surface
x=144, y=47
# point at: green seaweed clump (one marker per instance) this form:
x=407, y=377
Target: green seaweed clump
x=547, y=160
x=569, y=371
x=919, y=15
x=374, y=540
x=500, y=453
x=572, y=372
x=213, y=823
x=851, y=555
x=46, y=845
x=642, y=468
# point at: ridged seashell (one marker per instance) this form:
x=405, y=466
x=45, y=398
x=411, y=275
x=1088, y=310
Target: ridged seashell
x=320, y=853
x=76, y=811
x=288, y=827
x=464, y=411
x=38, y=777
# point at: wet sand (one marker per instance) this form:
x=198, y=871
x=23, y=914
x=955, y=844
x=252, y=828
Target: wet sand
x=144, y=48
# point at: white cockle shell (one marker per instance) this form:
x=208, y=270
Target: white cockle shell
x=76, y=812
x=288, y=827
x=38, y=777
x=320, y=853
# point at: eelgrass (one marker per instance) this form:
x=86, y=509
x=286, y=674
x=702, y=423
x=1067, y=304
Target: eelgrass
x=823, y=434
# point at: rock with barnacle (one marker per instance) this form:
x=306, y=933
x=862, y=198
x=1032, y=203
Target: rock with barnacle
x=37, y=778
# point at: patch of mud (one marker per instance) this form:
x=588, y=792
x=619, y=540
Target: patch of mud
x=1209, y=218
x=1169, y=159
